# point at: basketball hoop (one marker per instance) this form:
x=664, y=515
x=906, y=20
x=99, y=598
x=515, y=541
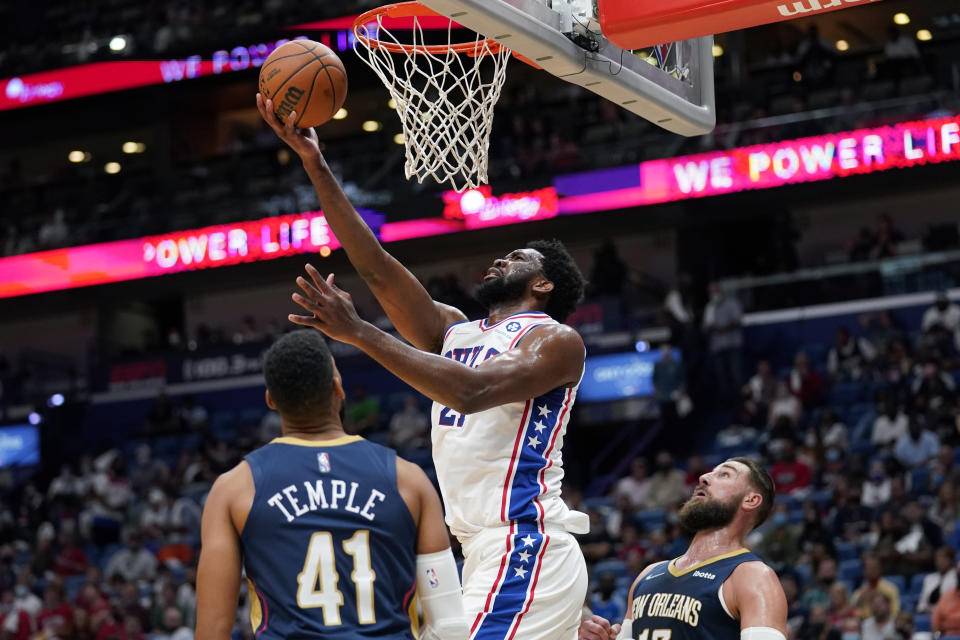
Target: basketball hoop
x=444, y=92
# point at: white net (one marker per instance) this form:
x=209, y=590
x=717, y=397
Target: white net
x=444, y=94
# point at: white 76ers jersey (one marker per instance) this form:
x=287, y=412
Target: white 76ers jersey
x=502, y=465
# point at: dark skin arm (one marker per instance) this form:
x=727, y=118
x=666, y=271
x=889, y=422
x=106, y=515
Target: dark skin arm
x=406, y=302
x=548, y=357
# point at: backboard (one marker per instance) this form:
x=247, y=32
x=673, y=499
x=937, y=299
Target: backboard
x=670, y=85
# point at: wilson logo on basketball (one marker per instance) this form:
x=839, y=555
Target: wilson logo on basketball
x=290, y=100
x=269, y=76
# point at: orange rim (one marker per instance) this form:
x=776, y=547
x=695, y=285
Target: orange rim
x=414, y=9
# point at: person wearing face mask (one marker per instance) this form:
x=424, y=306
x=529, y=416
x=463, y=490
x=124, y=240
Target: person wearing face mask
x=780, y=545
x=606, y=600
x=876, y=488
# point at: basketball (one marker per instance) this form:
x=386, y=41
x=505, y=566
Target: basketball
x=306, y=77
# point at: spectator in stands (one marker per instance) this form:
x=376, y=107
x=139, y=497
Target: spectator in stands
x=814, y=534
x=606, y=600
x=173, y=627
x=943, y=313
x=935, y=385
x=669, y=382
x=889, y=426
x=886, y=239
x=56, y=618
x=874, y=583
x=696, y=467
x=840, y=608
x=192, y=415
x=667, y=484
x=946, y=508
x=818, y=593
x=132, y=563
x=363, y=412
x=409, y=427
x=162, y=418
x=790, y=474
x=785, y=405
x=881, y=329
x=897, y=364
x=815, y=625
x=758, y=393
x=828, y=432
x=901, y=55
x=880, y=625
x=53, y=232
x=849, y=519
x=946, y=615
x=918, y=446
x=779, y=546
x=609, y=273
x=876, y=487
x=67, y=485
x=679, y=317
x=796, y=612
x=722, y=319
x=635, y=486
x=147, y=472
x=805, y=383
x=814, y=59
x=71, y=558
x=940, y=581
x=919, y=542
x=597, y=543
x=736, y=435
x=850, y=358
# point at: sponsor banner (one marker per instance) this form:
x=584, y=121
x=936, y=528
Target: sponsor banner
x=764, y=166
x=19, y=446
x=619, y=376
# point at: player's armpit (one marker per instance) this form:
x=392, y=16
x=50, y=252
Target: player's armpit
x=754, y=596
x=218, y=573
x=424, y=504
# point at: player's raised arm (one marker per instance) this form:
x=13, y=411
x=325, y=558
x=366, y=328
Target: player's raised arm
x=218, y=573
x=546, y=358
x=406, y=302
x=754, y=596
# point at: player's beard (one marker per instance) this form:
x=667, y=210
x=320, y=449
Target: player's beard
x=700, y=515
x=496, y=291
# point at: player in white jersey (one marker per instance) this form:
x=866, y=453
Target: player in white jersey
x=503, y=388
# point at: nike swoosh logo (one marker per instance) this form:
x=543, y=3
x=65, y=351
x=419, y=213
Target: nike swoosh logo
x=656, y=575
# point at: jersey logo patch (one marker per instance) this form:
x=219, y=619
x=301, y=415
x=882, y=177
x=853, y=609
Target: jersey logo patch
x=323, y=461
x=704, y=574
x=432, y=579
x=513, y=327
x=656, y=575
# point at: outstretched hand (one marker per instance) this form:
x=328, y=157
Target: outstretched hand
x=332, y=311
x=304, y=142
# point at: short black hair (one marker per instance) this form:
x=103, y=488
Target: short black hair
x=298, y=370
x=568, y=283
x=762, y=483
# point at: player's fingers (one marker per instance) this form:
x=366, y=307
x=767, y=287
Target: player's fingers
x=305, y=321
x=340, y=292
x=308, y=304
x=318, y=280
x=602, y=622
x=589, y=630
x=614, y=631
x=271, y=117
x=310, y=290
x=288, y=123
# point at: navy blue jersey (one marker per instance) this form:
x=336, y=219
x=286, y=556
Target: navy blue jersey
x=669, y=604
x=329, y=546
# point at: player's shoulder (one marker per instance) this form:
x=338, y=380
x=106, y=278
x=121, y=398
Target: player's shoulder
x=233, y=480
x=648, y=571
x=753, y=573
x=410, y=475
x=556, y=333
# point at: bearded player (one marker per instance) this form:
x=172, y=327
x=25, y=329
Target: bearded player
x=717, y=590
x=502, y=389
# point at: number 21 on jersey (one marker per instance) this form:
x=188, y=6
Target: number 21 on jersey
x=318, y=580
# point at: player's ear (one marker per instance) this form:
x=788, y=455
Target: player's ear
x=541, y=285
x=269, y=400
x=752, y=501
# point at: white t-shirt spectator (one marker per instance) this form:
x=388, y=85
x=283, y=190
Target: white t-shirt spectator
x=875, y=494
x=634, y=490
x=948, y=318
x=851, y=359
x=409, y=427
x=132, y=565
x=947, y=582
x=887, y=431
x=834, y=436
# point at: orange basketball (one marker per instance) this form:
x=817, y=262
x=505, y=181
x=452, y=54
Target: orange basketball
x=306, y=77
